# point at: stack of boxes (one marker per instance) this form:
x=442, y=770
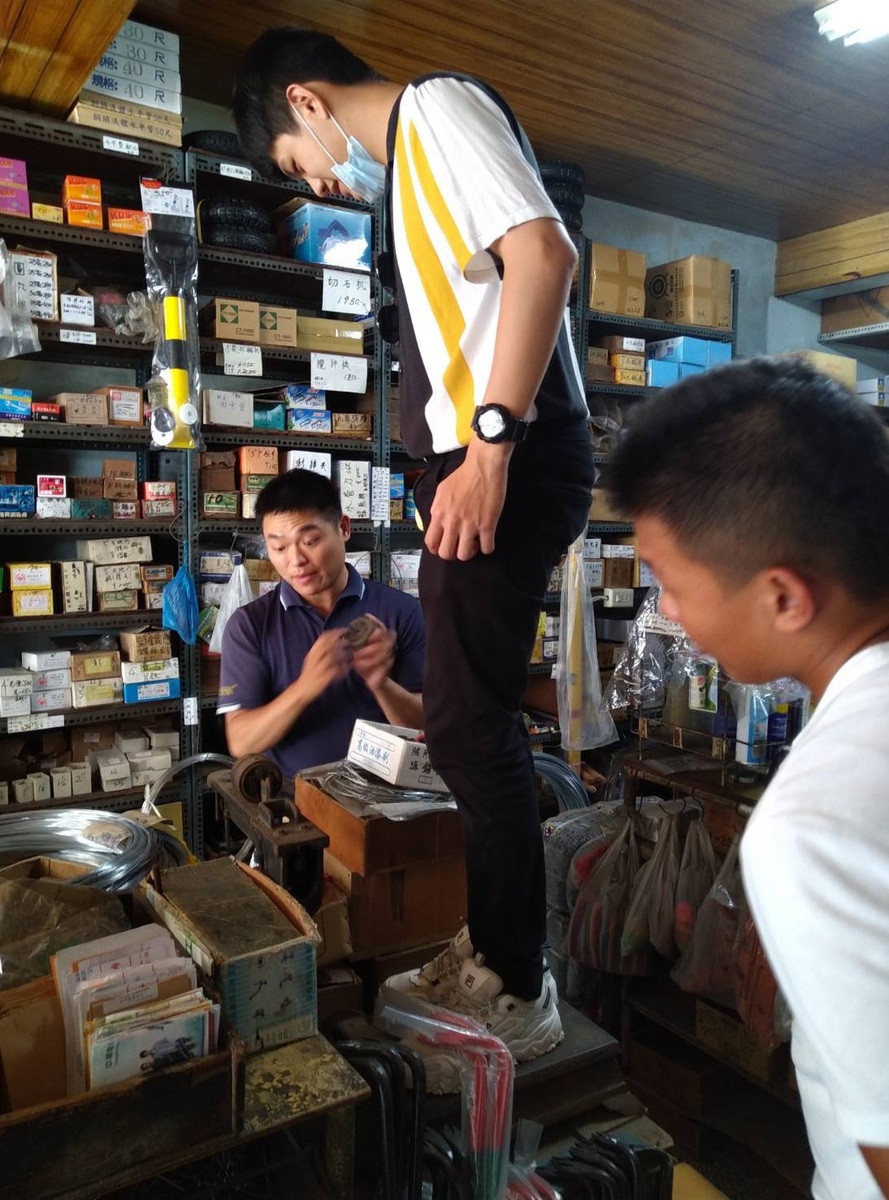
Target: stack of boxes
x=136, y=88
x=149, y=672
x=95, y=678
x=14, y=198
x=617, y=359
x=82, y=201
x=116, y=563
x=233, y=320
x=678, y=358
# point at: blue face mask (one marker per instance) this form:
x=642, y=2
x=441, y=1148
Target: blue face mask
x=360, y=173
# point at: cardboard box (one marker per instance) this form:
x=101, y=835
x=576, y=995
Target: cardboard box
x=118, y=468
x=307, y=420
x=220, y=504
x=128, y=220
x=115, y=550
x=81, y=187
x=724, y=1033
x=395, y=754
x=617, y=280
x=218, y=479
x=118, y=577
x=82, y=408
x=14, y=172
x=94, y=664
x=145, y=645
x=357, y=425
x=322, y=233
x=93, y=693
x=53, y=700
x=51, y=486
x=601, y=508
x=47, y=212
x=277, y=326
x=88, y=216
x=81, y=779
x=119, y=489
x=258, y=460
x=837, y=366
x=255, y=483
x=152, y=510
x=855, y=310
x=248, y=505
x=44, y=681
x=30, y=575
x=122, y=600
x=149, y=672
x=367, y=842
x=300, y=395
x=218, y=458
x=34, y=602
x=14, y=201
x=91, y=510
x=156, y=573
x=124, y=510
x=130, y=120
x=125, y=405
x=231, y=320
x=324, y=334
x=681, y=350
x=690, y=291
x=627, y=361
x=46, y=660
x=630, y=378
x=233, y=410
x=661, y=372
x=252, y=938
x=618, y=572
x=85, y=487
x=618, y=344
x=136, y=92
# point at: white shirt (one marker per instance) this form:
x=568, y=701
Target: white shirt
x=815, y=861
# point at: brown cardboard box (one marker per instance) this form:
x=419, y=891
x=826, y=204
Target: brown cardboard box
x=125, y=405
x=134, y=121
x=277, y=326
x=411, y=905
x=85, y=487
x=618, y=572
x=87, y=738
x=231, y=320
x=356, y=425
x=617, y=280
x=82, y=408
x=837, y=366
x=322, y=333
x=723, y=1032
x=332, y=920
x=145, y=645
x=119, y=468
x=31, y=1020
x=119, y=489
x=369, y=842
x=856, y=309
x=258, y=460
x=690, y=291
x=601, y=508
x=218, y=458
x=218, y=479
x=94, y=664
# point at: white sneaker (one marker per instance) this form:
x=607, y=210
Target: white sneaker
x=528, y=1028
x=435, y=980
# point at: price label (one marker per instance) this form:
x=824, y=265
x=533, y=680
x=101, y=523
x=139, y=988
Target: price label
x=121, y=145
x=339, y=372
x=78, y=310
x=34, y=721
x=235, y=171
x=78, y=337
x=190, y=710
x=346, y=291
x=379, y=496
x=166, y=201
x=241, y=360
x=11, y=429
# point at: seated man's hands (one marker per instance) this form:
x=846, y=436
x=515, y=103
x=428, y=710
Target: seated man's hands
x=374, y=660
x=328, y=661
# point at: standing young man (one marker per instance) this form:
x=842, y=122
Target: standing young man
x=760, y=493
x=492, y=399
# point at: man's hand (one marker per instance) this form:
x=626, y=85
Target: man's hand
x=374, y=660
x=327, y=662
x=468, y=504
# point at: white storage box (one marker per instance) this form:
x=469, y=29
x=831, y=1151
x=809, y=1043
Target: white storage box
x=395, y=754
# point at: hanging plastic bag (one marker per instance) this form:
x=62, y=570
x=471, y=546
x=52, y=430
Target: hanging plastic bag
x=180, y=606
x=639, y=679
x=708, y=966
x=650, y=912
x=697, y=872
x=597, y=922
x=585, y=721
x=237, y=593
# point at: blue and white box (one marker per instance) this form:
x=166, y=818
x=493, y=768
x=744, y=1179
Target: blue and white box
x=681, y=349
x=662, y=372
x=322, y=233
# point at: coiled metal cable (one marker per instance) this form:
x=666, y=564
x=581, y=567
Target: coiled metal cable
x=347, y=782
x=119, y=850
x=569, y=791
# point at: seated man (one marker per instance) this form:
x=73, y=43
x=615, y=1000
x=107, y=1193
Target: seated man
x=291, y=686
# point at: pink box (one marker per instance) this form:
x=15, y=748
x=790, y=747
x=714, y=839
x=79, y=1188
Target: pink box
x=52, y=485
x=13, y=170
x=14, y=201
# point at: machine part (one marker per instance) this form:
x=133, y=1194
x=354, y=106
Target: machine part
x=358, y=632
x=152, y=791
x=257, y=778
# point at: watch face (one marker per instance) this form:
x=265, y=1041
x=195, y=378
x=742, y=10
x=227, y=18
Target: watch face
x=490, y=423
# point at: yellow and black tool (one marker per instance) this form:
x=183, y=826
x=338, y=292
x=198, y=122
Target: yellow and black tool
x=174, y=420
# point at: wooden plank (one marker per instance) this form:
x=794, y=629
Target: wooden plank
x=93, y=24
x=855, y=250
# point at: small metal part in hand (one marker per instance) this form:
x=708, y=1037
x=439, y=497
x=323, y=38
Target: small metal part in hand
x=358, y=632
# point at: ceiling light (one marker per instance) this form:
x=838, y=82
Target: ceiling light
x=853, y=20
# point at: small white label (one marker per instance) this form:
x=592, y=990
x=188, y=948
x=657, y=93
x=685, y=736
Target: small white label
x=346, y=291
x=80, y=337
x=169, y=201
x=339, y=372
x=121, y=145
x=657, y=623
x=190, y=710
x=78, y=310
x=241, y=360
x=235, y=171
x=12, y=429
x=379, y=496
x=34, y=721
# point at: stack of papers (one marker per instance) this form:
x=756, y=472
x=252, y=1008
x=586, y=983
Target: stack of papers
x=130, y=1006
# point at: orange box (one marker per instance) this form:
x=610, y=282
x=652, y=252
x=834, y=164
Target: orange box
x=81, y=212
x=258, y=460
x=81, y=187
x=128, y=220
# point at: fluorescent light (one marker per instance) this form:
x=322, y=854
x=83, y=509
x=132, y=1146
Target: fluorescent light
x=853, y=20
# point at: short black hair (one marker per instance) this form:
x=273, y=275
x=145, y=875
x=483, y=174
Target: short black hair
x=276, y=59
x=761, y=463
x=300, y=491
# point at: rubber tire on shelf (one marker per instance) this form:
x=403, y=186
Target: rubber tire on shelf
x=565, y=195
x=239, y=239
x=572, y=218
x=235, y=213
x=215, y=141
x=562, y=172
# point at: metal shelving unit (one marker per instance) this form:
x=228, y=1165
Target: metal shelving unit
x=12, y=527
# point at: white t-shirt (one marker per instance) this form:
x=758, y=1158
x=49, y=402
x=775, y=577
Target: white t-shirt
x=815, y=861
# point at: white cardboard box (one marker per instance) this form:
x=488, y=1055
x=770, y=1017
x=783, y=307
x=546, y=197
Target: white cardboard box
x=47, y=660
x=81, y=779
x=115, y=550
x=393, y=753
x=149, y=672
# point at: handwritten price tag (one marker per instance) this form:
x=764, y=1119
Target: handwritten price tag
x=80, y=337
x=235, y=171
x=121, y=145
x=241, y=360
x=339, y=372
x=190, y=710
x=346, y=291
x=379, y=496
x=34, y=721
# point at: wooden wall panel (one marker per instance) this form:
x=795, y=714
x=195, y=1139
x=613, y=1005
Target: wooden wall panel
x=857, y=250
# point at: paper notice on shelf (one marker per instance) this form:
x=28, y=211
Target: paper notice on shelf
x=190, y=710
x=121, y=145
x=34, y=721
x=166, y=201
x=235, y=171
x=79, y=337
x=338, y=372
x=346, y=291
x=379, y=496
x=241, y=360
x=309, y=460
x=12, y=429
x=77, y=310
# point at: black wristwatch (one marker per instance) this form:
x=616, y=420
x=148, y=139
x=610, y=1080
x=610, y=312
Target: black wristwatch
x=495, y=423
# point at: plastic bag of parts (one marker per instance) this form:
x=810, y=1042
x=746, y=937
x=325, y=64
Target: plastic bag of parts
x=174, y=390
x=180, y=606
x=460, y=1055
x=39, y=916
x=18, y=333
x=650, y=914
x=707, y=967
x=697, y=872
x=755, y=987
x=653, y=647
x=585, y=721
x=130, y=314
x=524, y=1183
x=237, y=593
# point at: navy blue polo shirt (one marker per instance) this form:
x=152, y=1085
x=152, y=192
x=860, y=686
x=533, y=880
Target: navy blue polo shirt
x=264, y=646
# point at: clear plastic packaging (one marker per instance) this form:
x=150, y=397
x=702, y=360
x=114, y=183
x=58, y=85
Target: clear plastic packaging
x=707, y=967
x=180, y=606
x=697, y=872
x=584, y=720
x=237, y=593
x=18, y=333
x=657, y=650
x=649, y=917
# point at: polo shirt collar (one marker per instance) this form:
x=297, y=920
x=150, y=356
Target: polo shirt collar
x=290, y=598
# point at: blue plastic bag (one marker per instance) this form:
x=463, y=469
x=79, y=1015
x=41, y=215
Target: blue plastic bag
x=180, y=606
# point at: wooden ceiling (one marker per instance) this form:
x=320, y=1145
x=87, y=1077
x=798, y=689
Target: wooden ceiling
x=736, y=114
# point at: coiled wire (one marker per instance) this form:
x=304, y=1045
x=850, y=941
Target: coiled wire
x=348, y=782
x=119, y=850
x=569, y=791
